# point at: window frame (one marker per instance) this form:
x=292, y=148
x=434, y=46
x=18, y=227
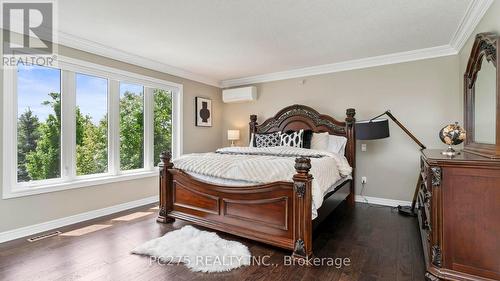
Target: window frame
x=69, y=180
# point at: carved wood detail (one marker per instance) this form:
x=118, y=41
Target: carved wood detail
x=436, y=255
x=436, y=176
x=485, y=47
x=299, y=248
x=297, y=117
x=300, y=189
x=430, y=277
x=298, y=110
x=165, y=188
x=302, y=211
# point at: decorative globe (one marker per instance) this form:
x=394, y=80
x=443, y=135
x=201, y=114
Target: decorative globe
x=452, y=134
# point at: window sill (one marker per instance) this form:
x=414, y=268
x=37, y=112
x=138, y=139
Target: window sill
x=60, y=186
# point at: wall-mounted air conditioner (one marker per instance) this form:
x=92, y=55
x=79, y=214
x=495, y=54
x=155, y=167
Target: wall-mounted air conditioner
x=243, y=94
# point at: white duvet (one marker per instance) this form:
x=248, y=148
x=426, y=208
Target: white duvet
x=268, y=164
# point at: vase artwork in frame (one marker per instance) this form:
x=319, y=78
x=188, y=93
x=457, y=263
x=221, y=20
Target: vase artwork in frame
x=203, y=112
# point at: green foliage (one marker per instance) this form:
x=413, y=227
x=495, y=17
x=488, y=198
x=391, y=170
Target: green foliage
x=44, y=162
x=39, y=142
x=131, y=131
x=81, y=121
x=162, y=122
x=91, y=145
x=27, y=126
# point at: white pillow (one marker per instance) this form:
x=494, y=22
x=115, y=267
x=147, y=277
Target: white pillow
x=336, y=144
x=251, y=141
x=319, y=141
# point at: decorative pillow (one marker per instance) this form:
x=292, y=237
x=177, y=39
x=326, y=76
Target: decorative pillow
x=308, y=134
x=319, y=141
x=294, y=139
x=336, y=144
x=267, y=140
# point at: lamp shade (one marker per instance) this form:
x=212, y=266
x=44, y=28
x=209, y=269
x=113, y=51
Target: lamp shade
x=233, y=134
x=372, y=129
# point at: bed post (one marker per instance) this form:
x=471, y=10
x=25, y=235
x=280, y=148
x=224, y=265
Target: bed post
x=302, y=212
x=253, y=126
x=165, y=187
x=351, y=151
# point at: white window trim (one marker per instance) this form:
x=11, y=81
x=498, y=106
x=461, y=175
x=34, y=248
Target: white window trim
x=69, y=180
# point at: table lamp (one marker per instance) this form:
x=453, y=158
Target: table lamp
x=233, y=135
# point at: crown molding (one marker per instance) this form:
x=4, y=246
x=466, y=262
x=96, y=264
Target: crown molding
x=78, y=43
x=420, y=54
x=472, y=17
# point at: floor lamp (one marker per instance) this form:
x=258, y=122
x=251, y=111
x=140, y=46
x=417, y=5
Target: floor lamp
x=378, y=129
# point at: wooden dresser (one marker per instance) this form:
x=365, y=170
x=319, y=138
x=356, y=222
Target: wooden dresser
x=459, y=216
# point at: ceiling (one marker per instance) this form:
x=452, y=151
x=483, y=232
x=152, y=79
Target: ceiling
x=215, y=41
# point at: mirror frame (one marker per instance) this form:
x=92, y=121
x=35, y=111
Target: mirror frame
x=485, y=47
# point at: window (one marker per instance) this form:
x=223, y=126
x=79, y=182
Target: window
x=91, y=125
x=83, y=124
x=162, y=122
x=131, y=126
x=38, y=123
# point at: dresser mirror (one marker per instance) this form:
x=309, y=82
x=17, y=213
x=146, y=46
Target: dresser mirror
x=482, y=102
x=485, y=104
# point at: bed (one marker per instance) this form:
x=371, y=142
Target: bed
x=278, y=213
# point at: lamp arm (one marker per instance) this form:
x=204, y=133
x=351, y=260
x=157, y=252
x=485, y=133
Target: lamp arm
x=388, y=113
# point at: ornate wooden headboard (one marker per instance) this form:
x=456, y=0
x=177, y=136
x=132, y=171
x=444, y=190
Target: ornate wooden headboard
x=296, y=117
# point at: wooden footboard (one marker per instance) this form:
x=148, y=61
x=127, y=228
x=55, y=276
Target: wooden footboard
x=278, y=213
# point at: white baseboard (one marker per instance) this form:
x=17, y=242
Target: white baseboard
x=381, y=201
x=53, y=224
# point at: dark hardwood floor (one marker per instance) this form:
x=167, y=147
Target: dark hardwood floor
x=380, y=244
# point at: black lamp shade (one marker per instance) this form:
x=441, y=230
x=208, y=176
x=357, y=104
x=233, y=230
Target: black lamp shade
x=372, y=129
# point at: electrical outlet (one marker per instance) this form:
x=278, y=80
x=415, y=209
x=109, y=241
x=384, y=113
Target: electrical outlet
x=363, y=147
x=363, y=180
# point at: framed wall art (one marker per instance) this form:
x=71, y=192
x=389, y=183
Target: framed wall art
x=203, y=112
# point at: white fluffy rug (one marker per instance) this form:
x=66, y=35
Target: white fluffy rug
x=199, y=250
